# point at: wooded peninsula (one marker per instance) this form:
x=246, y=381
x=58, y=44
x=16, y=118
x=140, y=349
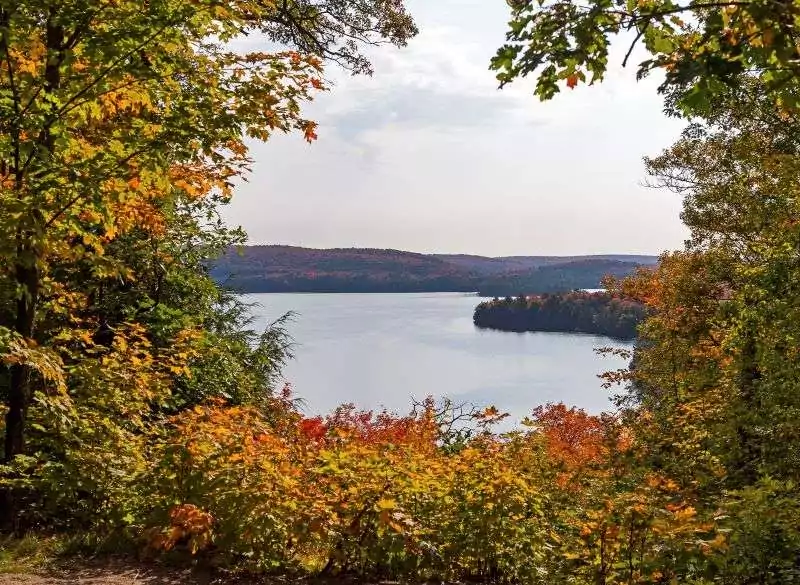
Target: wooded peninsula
x=598, y=313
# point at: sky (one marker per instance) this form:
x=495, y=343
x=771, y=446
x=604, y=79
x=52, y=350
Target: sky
x=428, y=155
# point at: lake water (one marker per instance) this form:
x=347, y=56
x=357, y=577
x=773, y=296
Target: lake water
x=379, y=350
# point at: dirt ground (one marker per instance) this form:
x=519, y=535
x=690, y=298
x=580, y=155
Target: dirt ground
x=131, y=573
x=107, y=576
x=121, y=574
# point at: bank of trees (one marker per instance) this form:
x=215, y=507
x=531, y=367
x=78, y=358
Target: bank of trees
x=122, y=130
x=713, y=403
x=597, y=313
x=142, y=414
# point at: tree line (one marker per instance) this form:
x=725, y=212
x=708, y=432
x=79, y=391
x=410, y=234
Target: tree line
x=261, y=269
x=597, y=313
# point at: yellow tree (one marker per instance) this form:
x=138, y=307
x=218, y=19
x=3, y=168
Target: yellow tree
x=716, y=375
x=110, y=109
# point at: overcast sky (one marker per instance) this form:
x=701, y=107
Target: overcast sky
x=428, y=155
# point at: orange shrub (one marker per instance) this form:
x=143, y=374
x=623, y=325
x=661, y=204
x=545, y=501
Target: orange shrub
x=351, y=492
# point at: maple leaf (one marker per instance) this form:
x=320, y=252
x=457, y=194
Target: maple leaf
x=309, y=131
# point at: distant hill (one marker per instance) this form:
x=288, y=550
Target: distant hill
x=556, y=277
x=503, y=264
x=295, y=269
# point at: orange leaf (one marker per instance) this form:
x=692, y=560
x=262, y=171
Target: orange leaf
x=310, y=131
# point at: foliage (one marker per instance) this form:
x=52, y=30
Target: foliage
x=702, y=47
x=140, y=407
x=596, y=313
x=351, y=492
x=378, y=495
x=122, y=131
x=716, y=371
x=711, y=403
x=712, y=400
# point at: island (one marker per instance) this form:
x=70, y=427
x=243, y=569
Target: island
x=598, y=313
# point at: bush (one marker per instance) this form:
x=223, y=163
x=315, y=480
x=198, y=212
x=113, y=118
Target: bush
x=355, y=492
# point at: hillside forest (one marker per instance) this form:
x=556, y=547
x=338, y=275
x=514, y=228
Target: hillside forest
x=143, y=416
x=260, y=269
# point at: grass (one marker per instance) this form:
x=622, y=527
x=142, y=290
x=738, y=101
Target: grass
x=29, y=554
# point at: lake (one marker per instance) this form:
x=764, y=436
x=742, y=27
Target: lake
x=379, y=350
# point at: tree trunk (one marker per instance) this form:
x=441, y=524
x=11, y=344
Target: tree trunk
x=26, y=272
x=20, y=390
x=749, y=456
x=27, y=275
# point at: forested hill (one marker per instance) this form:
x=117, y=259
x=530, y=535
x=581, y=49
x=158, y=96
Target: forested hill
x=295, y=269
x=557, y=277
x=506, y=264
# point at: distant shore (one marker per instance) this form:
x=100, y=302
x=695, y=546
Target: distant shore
x=287, y=269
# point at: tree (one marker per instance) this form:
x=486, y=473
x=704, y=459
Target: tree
x=702, y=46
x=738, y=173
x=736, y=170
x=716, y=377
x=114, y=116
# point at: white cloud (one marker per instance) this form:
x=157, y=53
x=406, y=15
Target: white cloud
x=428, y=155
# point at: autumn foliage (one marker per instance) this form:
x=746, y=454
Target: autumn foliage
x=143, y=415
x=352, y=492
x=376, y=494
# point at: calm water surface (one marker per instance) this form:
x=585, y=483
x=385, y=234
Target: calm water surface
x=379, y=350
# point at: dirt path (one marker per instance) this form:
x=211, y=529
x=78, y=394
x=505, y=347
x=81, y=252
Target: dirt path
x=132, y=573
x=112, y=575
